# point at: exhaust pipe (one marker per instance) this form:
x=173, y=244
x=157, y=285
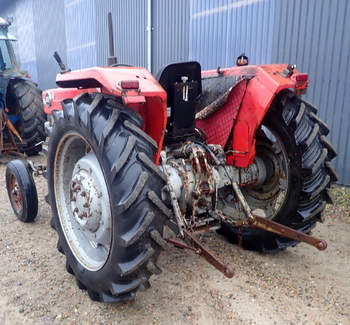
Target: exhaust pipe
x=112, y=59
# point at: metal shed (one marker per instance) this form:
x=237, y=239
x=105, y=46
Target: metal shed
x=313, y=34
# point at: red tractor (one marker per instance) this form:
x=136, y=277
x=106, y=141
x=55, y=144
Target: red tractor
x=234, y=150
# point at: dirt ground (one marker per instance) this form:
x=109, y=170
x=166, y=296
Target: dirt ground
x=298, y=286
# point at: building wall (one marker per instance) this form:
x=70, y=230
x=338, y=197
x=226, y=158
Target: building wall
x=222, y=30
x=316, y=36
x=312, y=34
x=49, y=36
x=25, y=47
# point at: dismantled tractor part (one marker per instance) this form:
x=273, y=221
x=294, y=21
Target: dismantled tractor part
x=8, y=134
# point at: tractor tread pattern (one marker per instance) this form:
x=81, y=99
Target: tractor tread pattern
x=131, y=266
x=159, y=204
x=118, y=289
x=120, y=163
x=32, y=116
x=151, y=166
x=332, y=153
x=323, y=126
x=137, y=231
x=140, y=133
x=125, y=152
x=135, y=193
x=307, y=133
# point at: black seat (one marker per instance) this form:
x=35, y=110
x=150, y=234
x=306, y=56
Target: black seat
x=183, y=85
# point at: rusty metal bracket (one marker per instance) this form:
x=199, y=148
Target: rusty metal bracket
x=285, y=231
x=13, y=130
x=203, y=251
x=277, y=228
x=227, y=270
x=37, y=170
x=181, y=244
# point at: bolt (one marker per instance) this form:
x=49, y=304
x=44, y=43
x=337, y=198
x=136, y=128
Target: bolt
x=321, y=245
x=86, y=205
x=83, y=215
x=76, y=210
x=83, y=194
x=229, y=272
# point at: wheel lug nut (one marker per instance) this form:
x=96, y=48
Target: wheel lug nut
x=76, y=210
x=86, y=205
x=83, y=194
x=83, y=215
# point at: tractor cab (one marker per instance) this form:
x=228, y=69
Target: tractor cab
x=7, y=54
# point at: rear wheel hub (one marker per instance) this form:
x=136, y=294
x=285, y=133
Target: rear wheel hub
x=83, y=202
x=85, y=191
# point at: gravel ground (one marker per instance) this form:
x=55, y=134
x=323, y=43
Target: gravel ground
x=298, y=286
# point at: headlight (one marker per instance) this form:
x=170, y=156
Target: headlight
x=48, y=99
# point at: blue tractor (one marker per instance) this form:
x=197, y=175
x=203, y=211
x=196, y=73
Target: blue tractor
x=22, y=116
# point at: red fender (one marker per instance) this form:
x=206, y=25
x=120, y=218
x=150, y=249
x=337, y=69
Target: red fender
x=265, y=84
x=149, y=99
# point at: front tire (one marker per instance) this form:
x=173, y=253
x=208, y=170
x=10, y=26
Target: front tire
x=21, y=190
x=97, y=129
x=310, y=174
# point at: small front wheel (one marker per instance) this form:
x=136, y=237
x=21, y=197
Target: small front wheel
x=21, y=190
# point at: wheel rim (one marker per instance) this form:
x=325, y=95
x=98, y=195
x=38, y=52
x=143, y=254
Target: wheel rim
x=16, y=194
x=271, y=195
x=82, y=201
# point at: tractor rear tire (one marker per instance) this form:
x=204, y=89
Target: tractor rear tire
x=309, y=154
x=32, y=116
x=124, y=154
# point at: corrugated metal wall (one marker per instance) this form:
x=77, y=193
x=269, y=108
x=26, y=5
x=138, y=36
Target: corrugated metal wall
x=129, y=24
x=49, y=37
x=25, y=47
x=78, y=30
x=314, y=34
x=80, y=33
x=170, y=35
x=170, y=32
x=222, y=30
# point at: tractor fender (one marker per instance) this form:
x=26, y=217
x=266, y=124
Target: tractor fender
x=146, y=96
x=260, y=93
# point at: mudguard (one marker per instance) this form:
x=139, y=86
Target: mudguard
x=148, y=98
x=264, y=83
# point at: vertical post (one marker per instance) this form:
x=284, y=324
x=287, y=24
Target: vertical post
x=149, y=35
x=112, y=59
